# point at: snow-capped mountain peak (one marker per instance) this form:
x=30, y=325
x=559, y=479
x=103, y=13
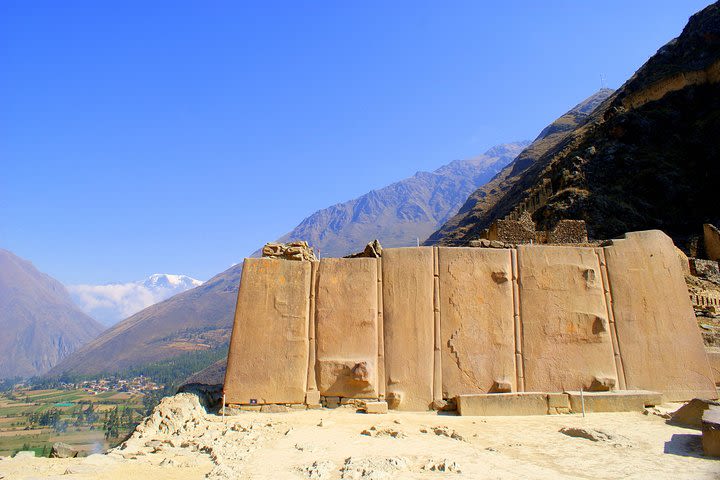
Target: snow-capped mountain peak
x=113, y=302
x=168, y=280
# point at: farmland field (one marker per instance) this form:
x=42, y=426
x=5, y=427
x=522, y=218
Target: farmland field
x=90, y=422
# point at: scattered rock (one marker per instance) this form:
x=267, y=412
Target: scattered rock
x=318, y=469
x=383, y=432
x=444, y=465
x=373, y=468
x=447, y=432
x=62, y=450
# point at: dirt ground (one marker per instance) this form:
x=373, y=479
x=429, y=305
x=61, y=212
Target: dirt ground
x=340, y=443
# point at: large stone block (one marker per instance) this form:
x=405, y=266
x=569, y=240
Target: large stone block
x=711, y=431
x=409, y=326
x=268, y=357
x=714, y=359
x=492, y=404
x=476, y=316
x=711, y=239
x=658, y=337
x=618, y=401
x=346, y=309
x=566, y=331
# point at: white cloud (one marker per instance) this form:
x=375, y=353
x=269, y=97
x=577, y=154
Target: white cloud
x=114, y=302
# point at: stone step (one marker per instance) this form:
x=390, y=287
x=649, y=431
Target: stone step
x=614, y=401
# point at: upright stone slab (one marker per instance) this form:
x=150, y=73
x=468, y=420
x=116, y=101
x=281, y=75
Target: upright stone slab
x=409, y=326
x=658, y=336
x=268, y=357
x=476, y=318
x=566, y=338
x=346, y=309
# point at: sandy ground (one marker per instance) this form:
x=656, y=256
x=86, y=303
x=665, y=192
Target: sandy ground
x=340, y=443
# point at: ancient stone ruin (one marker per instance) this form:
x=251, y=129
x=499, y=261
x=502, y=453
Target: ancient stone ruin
x=516, y=231
x=493, y=330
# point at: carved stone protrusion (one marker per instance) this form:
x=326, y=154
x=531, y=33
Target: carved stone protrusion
x=393, y=400
x=602, y=384
x=360, y=373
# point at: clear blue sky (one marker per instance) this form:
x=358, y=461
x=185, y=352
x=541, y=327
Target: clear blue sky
x=140, y=137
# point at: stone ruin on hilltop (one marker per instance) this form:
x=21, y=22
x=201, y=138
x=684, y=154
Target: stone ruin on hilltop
x=490, y=330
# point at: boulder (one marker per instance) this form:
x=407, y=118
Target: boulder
x=63, y=450
x=376, y=407
x=25, y=454
x=691, y=413
x=711, y=431
x=289, y=251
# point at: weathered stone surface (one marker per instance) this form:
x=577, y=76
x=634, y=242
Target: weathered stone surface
x=714, y=360
x=619, y=401
x=268, y=356
x=690, y=414
x=62, y=450
x=558, y=403
x=492, y=404
x=273, y=408
x=657, y=333
x=289, y=251
x=376, y=407
x=476, y=316
x=711, y=237
x=346, y=316
x=711, y=431
x=409, y=326
x=312, y=397
x=566, y=332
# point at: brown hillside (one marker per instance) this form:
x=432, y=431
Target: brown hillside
x=39, y=324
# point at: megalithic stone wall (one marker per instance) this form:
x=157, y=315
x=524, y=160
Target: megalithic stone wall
x=566, y=331
x=424, y=324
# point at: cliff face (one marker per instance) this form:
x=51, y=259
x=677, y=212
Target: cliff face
x=648, y=157
x=39, y=324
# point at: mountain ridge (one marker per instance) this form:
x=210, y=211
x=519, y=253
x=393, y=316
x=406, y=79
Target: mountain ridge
x=39, y=323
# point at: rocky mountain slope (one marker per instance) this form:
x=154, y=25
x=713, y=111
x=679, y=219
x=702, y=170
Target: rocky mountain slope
x=201, y=318
x=476, y=208
x=39, y=324
x=403, y=212
x=648, y=156
x=112, y=302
